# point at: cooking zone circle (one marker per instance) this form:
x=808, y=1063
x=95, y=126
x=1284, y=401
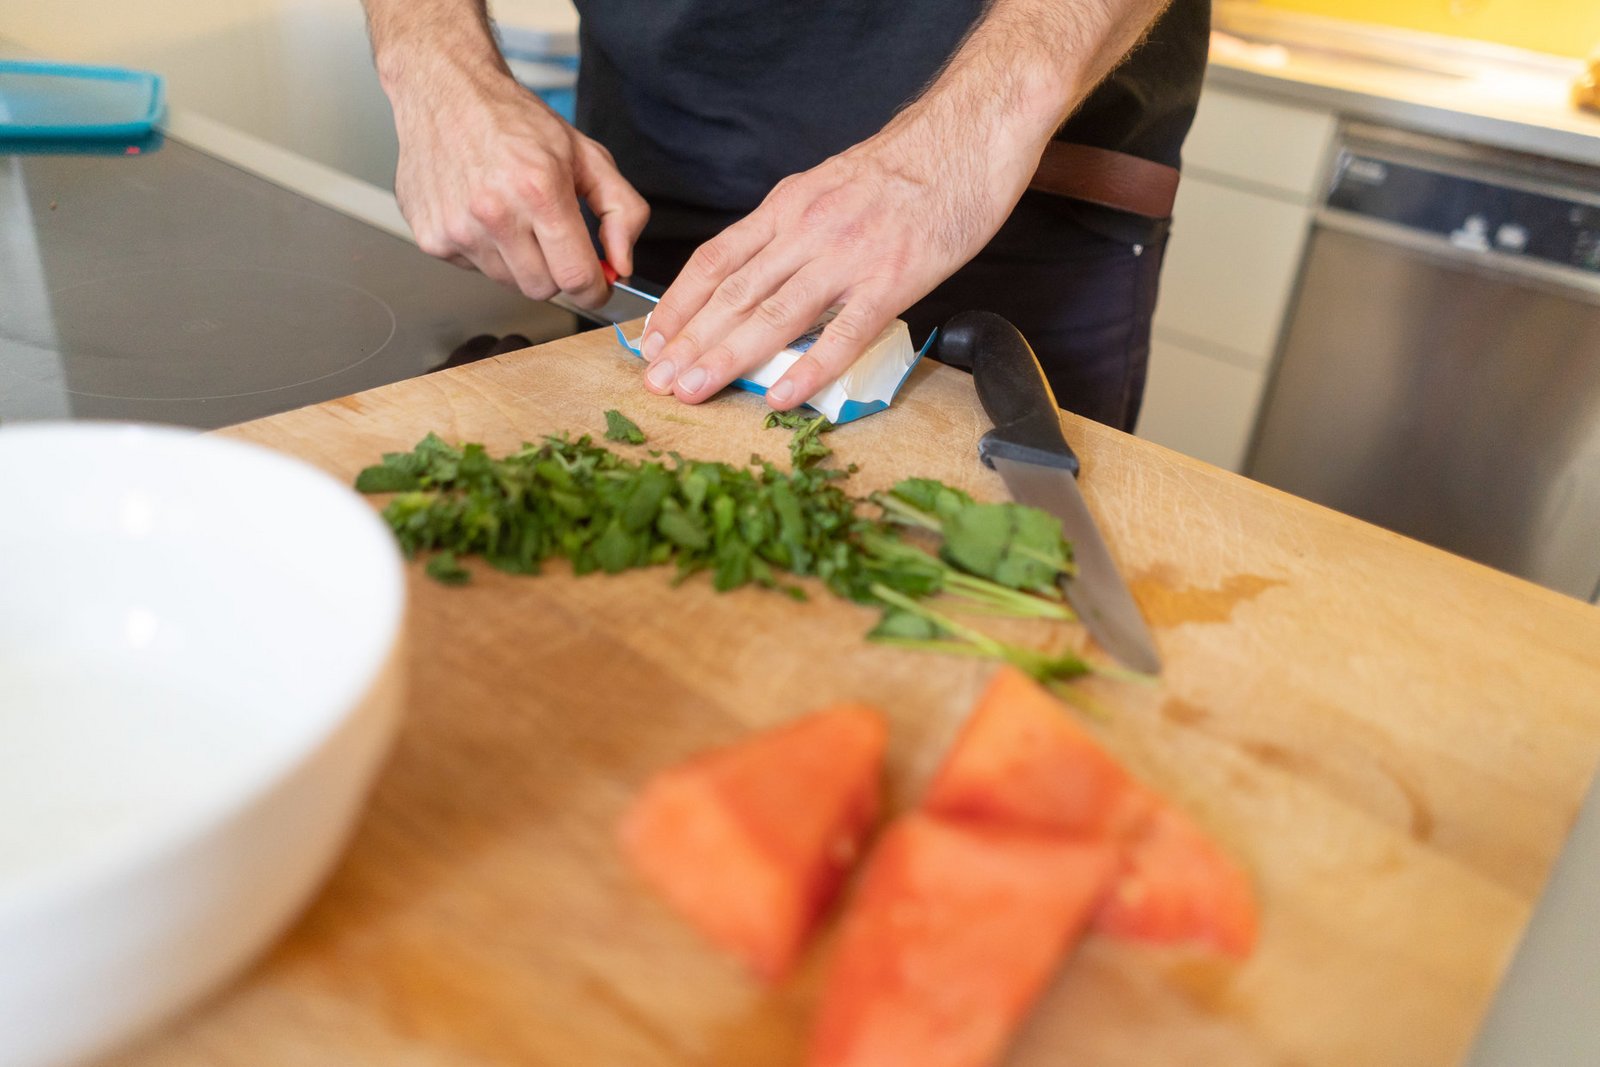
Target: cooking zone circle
x=213, y=333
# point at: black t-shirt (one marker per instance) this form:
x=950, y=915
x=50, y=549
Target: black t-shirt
x=707, y=104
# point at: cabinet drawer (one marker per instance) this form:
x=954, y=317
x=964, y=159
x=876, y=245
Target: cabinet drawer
x=1200, y=405
x=1279, y=148
x=1230, y=268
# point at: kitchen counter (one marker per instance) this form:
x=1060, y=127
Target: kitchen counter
x=1477, y=92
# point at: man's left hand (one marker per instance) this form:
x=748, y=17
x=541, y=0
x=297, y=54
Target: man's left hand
x=871, y=231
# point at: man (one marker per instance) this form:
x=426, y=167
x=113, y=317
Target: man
x=815, y=154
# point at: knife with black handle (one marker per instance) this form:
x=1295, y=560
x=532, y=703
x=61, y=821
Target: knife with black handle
x=1030, y=452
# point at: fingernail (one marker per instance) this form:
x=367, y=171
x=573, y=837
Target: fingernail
x=660, y=375
x=694, y=381
x=652, y=346
x=781, y=393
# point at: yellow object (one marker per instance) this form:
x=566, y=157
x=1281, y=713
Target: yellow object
x=1561, y=27
x=1586, y=90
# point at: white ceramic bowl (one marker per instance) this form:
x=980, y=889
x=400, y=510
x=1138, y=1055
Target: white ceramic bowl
x=199, y=663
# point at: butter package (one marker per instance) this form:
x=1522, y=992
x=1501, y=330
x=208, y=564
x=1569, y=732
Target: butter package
x=869, y=385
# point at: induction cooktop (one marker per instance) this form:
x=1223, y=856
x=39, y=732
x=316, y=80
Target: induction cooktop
x=162, y=284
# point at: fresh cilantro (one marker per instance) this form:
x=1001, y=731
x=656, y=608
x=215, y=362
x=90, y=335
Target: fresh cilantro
x=563, y=498
x=622, y=429
x=445, y=568
x=384, y=478
x=805, y=447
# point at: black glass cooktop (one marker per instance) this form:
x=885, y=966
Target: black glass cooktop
x=165, y=285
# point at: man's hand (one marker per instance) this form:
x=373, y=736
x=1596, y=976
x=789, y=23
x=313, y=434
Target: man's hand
x=874, y=229
x=489, y=177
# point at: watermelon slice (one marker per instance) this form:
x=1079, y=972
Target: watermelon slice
x=1177, y=886
x=1022, y=762
x=955, y=930
x=751, y=842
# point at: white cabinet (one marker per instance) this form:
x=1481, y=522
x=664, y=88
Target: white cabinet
x=1202, y=404
x=1230, y=267
x=1252, y=174
x=1256, y=142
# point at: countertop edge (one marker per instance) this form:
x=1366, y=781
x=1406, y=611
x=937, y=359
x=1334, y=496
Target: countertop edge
x=289, y=170
x=1349, y=102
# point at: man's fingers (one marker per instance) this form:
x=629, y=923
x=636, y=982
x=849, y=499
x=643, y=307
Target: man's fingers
x=710, y=265
x=843, y=340
x=619, y=231
x=564, y=240
x=776, y=321
x=619, y=207
x=488, y=260
x=530, y=272
x=751, y=291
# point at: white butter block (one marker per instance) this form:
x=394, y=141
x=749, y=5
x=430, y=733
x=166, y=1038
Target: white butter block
x=869, y=384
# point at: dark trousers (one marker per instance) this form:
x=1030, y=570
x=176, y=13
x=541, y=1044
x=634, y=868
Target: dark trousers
x=1078, y=281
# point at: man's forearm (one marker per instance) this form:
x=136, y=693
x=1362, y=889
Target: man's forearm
x=1027, y=65
x=423, y=40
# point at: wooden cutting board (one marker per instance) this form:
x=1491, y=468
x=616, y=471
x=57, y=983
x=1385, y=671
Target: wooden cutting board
x=1393, y=740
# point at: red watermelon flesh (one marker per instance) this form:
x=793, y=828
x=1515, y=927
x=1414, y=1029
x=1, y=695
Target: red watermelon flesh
x=750, y=842
x=955, y=930
x=1022, y=762
x=1177, y=886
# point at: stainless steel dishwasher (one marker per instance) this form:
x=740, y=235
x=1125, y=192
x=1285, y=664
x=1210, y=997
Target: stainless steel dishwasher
x=1440, y=370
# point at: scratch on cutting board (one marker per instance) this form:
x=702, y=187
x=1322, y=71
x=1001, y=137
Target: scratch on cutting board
x=1167, y=605
x=1180, y=711
x=1419, y=818
x=1352, y=767
x=349, y=403
x=631, y=1015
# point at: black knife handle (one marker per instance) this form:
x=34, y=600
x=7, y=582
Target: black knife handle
x=1012, y=388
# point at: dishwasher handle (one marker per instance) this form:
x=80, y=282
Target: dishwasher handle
x=1568, y=281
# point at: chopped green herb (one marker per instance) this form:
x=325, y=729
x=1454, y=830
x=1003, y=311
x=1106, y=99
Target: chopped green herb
x=931, y=631
x=446, y=569
x=805, y=447
x=923, y=543
x=623, y=429
x=382, y=479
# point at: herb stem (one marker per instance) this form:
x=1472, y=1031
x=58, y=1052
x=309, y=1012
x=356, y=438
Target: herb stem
x=944, y=622
x=1006, y=600
x=907, y=514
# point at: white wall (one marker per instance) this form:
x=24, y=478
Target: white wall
x=297, y=73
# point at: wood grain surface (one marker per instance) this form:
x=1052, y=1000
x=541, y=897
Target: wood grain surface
x=1393, y=740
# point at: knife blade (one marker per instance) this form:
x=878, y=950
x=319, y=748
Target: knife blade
x=631, y=298
x=1028, y=450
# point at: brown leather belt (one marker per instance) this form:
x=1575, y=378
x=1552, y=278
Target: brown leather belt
x=1111, y=179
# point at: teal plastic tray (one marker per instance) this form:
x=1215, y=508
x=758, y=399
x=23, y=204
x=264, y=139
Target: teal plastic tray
x=49, y=101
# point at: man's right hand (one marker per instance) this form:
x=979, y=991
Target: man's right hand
x=490, y=177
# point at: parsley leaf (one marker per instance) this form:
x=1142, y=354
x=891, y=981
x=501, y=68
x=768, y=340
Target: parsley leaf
x=805, y=447
x=386, y=478
x=623, y=429
x=445, y=568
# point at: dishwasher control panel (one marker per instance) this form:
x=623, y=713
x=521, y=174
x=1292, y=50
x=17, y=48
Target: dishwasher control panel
x=1475, y=213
